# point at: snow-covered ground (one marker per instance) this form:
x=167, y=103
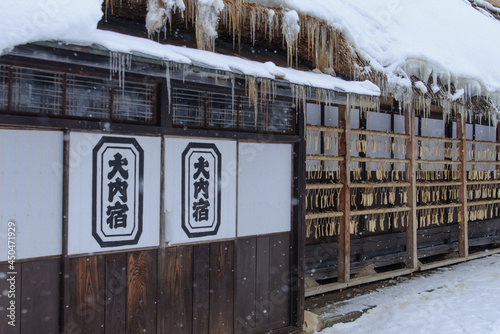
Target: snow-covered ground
x=461, y=299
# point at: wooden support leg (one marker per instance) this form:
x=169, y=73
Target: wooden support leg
x=463, y=233
x=344, y=242
x=411, y=177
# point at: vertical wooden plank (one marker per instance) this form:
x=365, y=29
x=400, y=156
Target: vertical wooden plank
x=344, y=237
x=161, y=316
x=179, y=290
x=221, y=288
x=40, y=296
x=116, y=293
x=5, y=300
x=463, y=234
x=246, y=262
x=279, y=279
x=411, y=177
x=201, y=288
x=87, y=295
x=262, y=282
x=141, y=292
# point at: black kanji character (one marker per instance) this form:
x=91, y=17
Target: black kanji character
x=117, y=165
x=201, y=185
x=200, y=168
x=118, y=186
x=200, y=210
x=117, y=215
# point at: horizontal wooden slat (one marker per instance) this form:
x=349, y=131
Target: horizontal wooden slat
x=380, y=185
x=323, y=157
x=323, y=128
x=378, y=133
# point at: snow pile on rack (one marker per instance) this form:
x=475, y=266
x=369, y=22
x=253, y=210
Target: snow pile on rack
x=446, y=39
x=158, y=16
x=207, y=20
x=75, y=22
x=459, y=299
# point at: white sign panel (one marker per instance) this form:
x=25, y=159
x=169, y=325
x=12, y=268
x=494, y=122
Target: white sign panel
x=200, y=190
x=201, y=193
x=264, y=188
x=114, y=192
x=31, y=192
x=117, y=191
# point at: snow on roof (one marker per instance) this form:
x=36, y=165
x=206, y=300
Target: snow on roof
x=75, y=22
x=446, y=39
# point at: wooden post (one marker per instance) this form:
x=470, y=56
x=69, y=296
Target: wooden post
x=498, y=149
x=411, y=177
x=463, y=231
x=344, y=237
x=65, y=265
x=298, y=234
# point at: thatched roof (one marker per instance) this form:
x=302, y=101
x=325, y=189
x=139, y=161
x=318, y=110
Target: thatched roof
x=332, y=37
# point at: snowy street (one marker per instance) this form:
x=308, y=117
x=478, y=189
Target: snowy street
x=459, y=299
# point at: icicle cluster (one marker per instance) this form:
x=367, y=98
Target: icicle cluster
x=119, y=63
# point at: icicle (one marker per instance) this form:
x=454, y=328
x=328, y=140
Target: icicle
x=252, y=24
x=169, y=87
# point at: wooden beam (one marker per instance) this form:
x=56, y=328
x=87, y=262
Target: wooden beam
x=344, y=237
x=463, y=233
x=411, y=177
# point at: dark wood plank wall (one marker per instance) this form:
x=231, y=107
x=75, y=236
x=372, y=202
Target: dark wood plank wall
x=142, y=299
x=389, y=248
x=116, y=285
x=40, y=296
x=37, y=295
x=263, y=283
x=86, y=300
x=193, y=289
x=177, y=290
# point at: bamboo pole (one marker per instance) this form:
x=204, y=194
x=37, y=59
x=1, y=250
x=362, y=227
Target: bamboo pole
x=463, y=231
x=475, y=183
x=492, y=162
x=379, y=133
x=380, y=185
x=380, y=211
x=380, y=160
x=344, y=237
x=438, y=184
x=323, y=157
x=483, y=142
x=438, y=162
x=330, y=214
x=446, y=140
x=411, y=177
x=324, y=128
x=483, y=202
x=324, y=186
x=439, y=206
